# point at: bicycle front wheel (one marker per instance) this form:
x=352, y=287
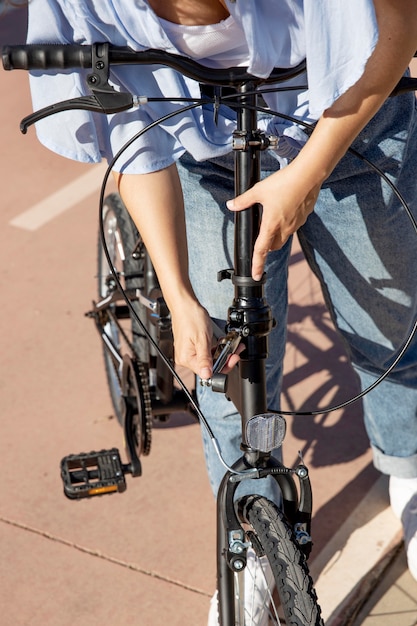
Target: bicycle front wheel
x=275, y=588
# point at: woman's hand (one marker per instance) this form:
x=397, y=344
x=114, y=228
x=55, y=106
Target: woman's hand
x=193, y=333
x=193, y=339
x=287, y=201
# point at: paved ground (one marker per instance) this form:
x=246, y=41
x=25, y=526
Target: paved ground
x=146, y=557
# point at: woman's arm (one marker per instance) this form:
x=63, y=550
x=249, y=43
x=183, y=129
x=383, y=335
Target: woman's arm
x=156, y=205
x=297, y=186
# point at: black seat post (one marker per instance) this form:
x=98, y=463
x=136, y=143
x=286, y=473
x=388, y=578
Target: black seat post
x=247, y=172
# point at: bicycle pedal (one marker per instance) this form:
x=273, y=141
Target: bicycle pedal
x=93, y=474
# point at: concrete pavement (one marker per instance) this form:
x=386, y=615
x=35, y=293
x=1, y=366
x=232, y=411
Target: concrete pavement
x=146, y=557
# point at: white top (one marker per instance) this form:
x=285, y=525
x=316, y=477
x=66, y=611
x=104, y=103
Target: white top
x=218, y=45
x=336, y=37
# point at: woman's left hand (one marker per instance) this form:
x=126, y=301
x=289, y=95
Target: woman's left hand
x=287, y=201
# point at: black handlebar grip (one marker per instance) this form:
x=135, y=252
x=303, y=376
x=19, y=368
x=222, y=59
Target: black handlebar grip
x=46, y=57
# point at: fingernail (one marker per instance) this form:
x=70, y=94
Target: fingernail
x=205, y=373
x=230, y=204
x=257, y=277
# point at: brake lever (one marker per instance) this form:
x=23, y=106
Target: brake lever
x=100, y=102
x=225, y=348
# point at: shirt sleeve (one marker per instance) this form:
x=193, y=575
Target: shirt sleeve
x=88, y=137
x=82, y=135
x=340, y=38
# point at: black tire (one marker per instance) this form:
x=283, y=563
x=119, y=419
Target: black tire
x=294, y=601
x=122, y=239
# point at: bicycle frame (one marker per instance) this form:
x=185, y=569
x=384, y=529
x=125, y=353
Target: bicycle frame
x=249, y=317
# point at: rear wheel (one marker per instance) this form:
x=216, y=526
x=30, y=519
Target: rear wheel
x=124, y=333
x=275, y=588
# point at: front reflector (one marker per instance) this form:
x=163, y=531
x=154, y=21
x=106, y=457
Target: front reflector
x=266, y=432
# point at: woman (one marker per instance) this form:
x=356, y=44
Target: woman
x=356, y=53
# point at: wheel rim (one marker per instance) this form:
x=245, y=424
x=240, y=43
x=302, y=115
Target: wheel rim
x=256, y=604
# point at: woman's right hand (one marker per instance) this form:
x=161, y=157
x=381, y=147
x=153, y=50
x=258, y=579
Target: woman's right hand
x=193, y=340
x=193, y=335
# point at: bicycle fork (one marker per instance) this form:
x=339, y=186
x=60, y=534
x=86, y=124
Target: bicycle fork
x=232, y=544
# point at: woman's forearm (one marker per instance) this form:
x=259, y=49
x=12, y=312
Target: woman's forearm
x=155, y=204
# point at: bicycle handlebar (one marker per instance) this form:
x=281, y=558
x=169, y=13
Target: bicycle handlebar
x=67, y=56
x=71, y=56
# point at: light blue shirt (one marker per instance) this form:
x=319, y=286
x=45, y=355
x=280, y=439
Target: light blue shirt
x=335, y=36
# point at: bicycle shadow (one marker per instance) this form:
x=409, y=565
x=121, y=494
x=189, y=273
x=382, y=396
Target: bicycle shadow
x=319, y=377
x=317, y=374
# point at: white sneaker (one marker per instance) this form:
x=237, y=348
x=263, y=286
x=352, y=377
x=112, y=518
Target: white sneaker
x=213, y=616
x=409, y=522
x=259, y=586
x=401, y=490
x=403, y=497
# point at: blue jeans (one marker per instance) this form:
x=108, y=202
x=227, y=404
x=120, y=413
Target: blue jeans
x=363, y=249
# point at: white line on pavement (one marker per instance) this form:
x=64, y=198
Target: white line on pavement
x=61, y=200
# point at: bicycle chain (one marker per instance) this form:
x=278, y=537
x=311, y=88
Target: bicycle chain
x=146, y=403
